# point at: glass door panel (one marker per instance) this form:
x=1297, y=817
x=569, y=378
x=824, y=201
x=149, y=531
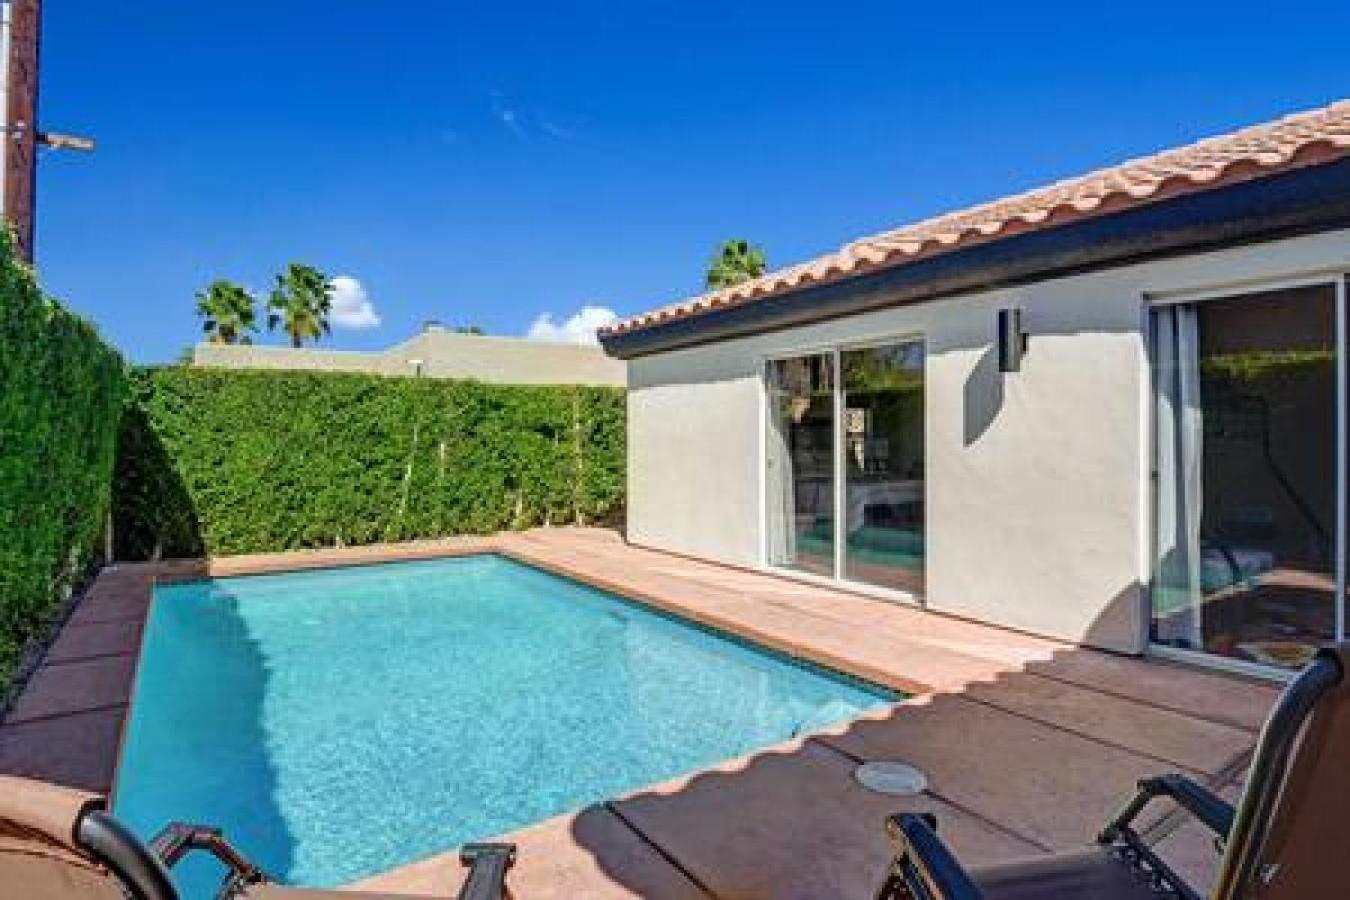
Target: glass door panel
x=1246, y=476
x=800, y=463
x=883, y=447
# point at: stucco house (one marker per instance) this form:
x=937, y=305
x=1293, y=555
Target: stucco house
x=1110, y=410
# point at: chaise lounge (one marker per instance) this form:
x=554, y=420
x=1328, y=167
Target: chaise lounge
x=61, y=844
x=1287, y=839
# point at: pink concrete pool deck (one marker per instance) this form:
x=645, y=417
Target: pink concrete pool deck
x=1028, y=743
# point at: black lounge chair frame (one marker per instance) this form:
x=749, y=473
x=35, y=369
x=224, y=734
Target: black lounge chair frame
x=924, y=869
x=144, y=870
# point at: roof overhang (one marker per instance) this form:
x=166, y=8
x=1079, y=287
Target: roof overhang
x=1299, y=201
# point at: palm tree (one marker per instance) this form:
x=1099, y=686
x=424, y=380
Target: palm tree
x=227, y=313
x=735, y=261
x=300, y=303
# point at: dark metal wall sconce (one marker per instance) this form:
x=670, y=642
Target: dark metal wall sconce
x=1012, y=339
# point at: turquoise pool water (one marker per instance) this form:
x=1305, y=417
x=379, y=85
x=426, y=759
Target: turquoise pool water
x=341, y=722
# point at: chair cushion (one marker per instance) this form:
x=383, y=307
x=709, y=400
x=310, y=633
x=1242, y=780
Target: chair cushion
x=38, y=808
x=39, y=859
x=1310, y=831
x=1095, y=874
x=34, y=872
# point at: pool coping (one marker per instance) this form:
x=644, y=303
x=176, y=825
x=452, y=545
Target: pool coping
x=829, y=665
x=727, y=632
x=184, y=571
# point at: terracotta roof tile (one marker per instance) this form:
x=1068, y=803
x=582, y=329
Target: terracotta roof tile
x=1309, y=138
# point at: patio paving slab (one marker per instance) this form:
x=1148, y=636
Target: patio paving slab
x=59, y=689
x=1215, y=696
x=868, y=645
x=298, y=560
x=591, y=854
x=794, y=824
x=70, y=750
x=850, y=609
x=115, y=597
x=1171, y=738
x=93, y=639
x=1051, y=787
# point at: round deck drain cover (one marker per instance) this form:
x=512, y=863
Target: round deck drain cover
x=895, y=778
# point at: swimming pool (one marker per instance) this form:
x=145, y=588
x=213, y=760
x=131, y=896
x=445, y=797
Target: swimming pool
x=340, y=722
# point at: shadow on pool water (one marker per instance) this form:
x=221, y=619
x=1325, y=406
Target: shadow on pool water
x=150, y=794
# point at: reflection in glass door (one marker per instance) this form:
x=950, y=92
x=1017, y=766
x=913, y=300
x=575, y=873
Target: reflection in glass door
x=800, y=463
x=883, y=450
x=844, y=465
x=1248, y=431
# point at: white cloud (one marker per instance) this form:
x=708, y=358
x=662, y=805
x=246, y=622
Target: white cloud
x=507, y=115
x=526, y=122
x=351, y=304
x=512, y=122
x=579, y=328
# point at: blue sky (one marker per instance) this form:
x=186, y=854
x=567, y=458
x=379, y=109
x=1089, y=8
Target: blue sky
x=486, y=163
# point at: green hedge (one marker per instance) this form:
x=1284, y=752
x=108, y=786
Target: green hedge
x=228, y=461
x=61, y=394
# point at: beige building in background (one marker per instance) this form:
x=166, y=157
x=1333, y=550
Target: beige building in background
x=1111, y=411
x=436, y=353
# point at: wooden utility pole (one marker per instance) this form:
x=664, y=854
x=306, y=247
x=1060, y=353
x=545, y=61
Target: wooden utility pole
x=20, y=39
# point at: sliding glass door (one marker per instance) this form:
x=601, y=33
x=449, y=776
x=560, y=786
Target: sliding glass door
x=1249, y=473
x=883, y=465
x=800, y=463
x=844, y=465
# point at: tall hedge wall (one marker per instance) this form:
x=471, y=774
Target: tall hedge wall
x=61, y=393
x=229, y=461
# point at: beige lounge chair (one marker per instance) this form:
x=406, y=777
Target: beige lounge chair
x=60, y=844
x=1288, y=838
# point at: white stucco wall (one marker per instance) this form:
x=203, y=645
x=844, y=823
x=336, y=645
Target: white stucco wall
x=442, y=353
x=1037, y=481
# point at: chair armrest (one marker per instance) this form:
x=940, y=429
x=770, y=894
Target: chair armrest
x=487, y=874
x=923, y=866
x=178, y=839
x=141, y=872
x=1211, y=810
